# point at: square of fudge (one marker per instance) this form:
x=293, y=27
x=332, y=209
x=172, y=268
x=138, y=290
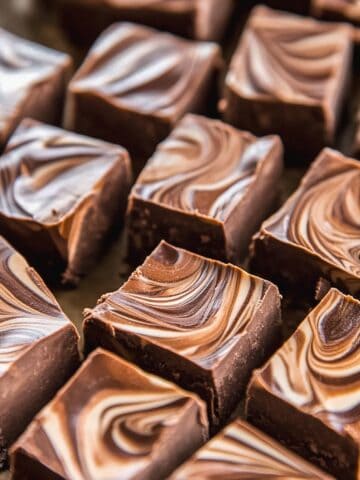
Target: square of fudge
x=197, y=322
x=339, y=10
x=308, y=394
x=62, y=196
x=316, y=233
x=136, y=83
x=111, y=420
x=207, y=188
x=194, y=19
x=38, y=346
x=33, y=79
x=241, y=451
x=289, y=72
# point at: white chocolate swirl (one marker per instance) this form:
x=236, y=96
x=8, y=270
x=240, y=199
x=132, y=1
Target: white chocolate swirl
x=318, y=369
x=241, y=452
x=205, y=166
x=193, y=306
x=28, y=311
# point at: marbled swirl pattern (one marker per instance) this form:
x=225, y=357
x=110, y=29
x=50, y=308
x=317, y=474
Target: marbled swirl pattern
x=318, y=368
x=243, y=453
x=191, y=305
x=144, y=70
x=28, y=311
x=205, y=166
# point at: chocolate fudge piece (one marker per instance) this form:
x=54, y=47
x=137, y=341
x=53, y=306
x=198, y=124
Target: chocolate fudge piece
x=317, y=231
x=200, y=323
x=195, y=19
x=38, y=346
x=289, y=76
x=207, y=188
x=308, y=394
x=111, y=421
x=136, y=83
x=61, y=196
x=32, y=82
x=242, y=452
x=339, y=10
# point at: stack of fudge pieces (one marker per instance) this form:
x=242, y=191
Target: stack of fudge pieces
x=157, y=135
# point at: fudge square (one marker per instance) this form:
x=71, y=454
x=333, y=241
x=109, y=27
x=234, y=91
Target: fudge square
x=289, y=72
x=111, y=420
x=196, y=19
x=200, y=323
x=38, y=346
x=61, y=196
x=308, y=394
x=32, y=82
x=207, y=188
x=243, y=452
x=317, y=231
x=136, y=83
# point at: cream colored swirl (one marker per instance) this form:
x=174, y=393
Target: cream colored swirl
x=28, y=311
x=109, y=421
x=289, y=58
x=242, y=452
x=205, y=166
x=191, y=305
x=318, y=369
x=139, y=68
x=323, y=216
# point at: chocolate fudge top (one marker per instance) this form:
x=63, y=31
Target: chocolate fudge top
x=243, y=452
x=108, y=421
x=193, y=306
x=317, y=369
x=205, y=167
x=29, y=311
x=139, y=69
x=323, y=216
x=290, y=58
x=23, y=65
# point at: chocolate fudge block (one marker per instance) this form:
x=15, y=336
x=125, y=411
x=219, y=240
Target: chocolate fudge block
x=38, y=346
x=207, y=188
x=111, y=421
x=200, y=323
x=32, y=82
x=308, y=394
x=136, y=83
x=317, y=231
x=241, y=452
x=194, y=19
x=289, y=75
x=61, y=196
x=339, y=10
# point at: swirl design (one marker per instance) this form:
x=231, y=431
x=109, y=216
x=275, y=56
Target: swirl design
x=275, y=59
x=28, y=311
x=191, y=305
x=323, y=216
x=242, y=452
x=139, y=68
x=205, y=166
x=318, y=369
x=107, y=423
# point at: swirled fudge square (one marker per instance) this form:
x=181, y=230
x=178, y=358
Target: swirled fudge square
x=316, y=234
x=38, y=346
x=111, y=421
x=194, y=19
x=308, y=394
x=136, y=83
x=207, y=188
x=241, y=452
x=62, y=195
x=340, y=11
x=289, y=75
x=200, y=323
x=32, y=82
